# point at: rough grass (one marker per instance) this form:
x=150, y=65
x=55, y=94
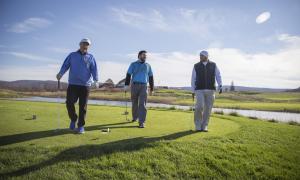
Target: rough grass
x=282, y=101
x=234, y=147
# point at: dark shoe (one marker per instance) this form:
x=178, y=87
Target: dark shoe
x=134, y=120
x=142, y=125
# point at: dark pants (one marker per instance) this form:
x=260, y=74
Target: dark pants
x=139, y=100
x=75, y=92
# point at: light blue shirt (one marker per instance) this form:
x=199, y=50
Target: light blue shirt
x=140, y=71
x=83, y=68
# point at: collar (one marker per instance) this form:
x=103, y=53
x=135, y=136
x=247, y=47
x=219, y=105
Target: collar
x=139, y=61
x=205, y=61
x=81, y=53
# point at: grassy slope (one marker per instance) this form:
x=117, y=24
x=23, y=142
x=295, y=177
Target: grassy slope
x=235, y=147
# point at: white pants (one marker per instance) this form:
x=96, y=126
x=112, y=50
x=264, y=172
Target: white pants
x=204, y=103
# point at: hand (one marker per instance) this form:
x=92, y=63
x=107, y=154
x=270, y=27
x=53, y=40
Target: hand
x=96, y=84
x=58, y=76
x=126, y=88
x=151, y=92
x=193, y=96
x=220, y=90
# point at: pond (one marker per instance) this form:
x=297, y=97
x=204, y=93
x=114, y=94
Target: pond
x=266, y=115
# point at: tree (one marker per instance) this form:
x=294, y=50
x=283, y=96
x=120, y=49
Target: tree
x=232, y=88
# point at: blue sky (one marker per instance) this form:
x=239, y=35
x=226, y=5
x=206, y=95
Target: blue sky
x=36, y=36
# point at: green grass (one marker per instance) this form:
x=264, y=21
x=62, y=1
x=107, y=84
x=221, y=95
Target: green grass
x=234, y=147
x=282, y=101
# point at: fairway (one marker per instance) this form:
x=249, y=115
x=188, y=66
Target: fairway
x=234, y=147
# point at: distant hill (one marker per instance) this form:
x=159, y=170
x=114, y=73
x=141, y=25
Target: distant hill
x=294, y=90
x=32, y=85
x=243, y=88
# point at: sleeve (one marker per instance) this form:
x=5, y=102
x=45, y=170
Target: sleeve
x=94, y=70
x=130, y=69
x=218, y=76
x=150, y=73
x=66, y=65
x=193, y=80
x=127, y=79
x=151, y=82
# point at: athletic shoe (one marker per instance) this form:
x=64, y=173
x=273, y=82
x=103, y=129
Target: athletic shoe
x=141, y=125
x=80, y=130
x=134, y=120
x=72, y=125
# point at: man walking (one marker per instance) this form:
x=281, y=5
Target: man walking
x=204, y=75
x=141, y=73
x=83, y=69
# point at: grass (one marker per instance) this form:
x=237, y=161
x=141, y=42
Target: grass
x=282, y=101
x=234, y=147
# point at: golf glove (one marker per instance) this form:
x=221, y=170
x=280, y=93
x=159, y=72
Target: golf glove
x=58, y=76
x=96, y=84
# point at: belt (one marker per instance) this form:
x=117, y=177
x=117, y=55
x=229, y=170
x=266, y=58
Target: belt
x=139, y=83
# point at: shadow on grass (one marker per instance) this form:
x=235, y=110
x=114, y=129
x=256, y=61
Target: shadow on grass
x=17, y=138
x=90, y=151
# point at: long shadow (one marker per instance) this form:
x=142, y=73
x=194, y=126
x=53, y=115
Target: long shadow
x=16, y=138
x=90, y=151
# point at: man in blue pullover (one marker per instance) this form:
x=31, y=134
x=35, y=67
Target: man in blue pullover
x=82, y=72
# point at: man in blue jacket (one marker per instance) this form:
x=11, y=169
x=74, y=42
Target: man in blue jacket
x=82, y=72
x=141, y=73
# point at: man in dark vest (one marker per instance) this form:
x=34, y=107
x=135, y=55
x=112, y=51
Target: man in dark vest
x=204, y=75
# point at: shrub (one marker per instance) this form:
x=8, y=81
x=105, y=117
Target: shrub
x=273, y=120
x=234, y=114
x=219, y=112
x=253, y=117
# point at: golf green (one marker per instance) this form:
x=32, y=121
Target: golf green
x=234, y=147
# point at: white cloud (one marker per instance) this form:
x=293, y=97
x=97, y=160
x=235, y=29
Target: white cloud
x=182, y=20
x=154, y=19
x=114, y=70
x=60, y=50
x=276, y=70
x=28, y=56
x=43, y=72
x=29, y=25
x=290, y=41
x=263, y=17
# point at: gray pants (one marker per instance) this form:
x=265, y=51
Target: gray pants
x=139, y=100
x=204, y=103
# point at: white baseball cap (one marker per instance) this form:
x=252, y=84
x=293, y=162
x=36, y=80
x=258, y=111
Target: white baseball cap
x=204, y=53
x=85, y=40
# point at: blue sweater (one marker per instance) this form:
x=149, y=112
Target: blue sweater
x=83, y=68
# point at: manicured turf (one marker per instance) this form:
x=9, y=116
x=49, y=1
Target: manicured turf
x=235, y=147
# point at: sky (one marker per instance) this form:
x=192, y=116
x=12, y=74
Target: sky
x=254, y=43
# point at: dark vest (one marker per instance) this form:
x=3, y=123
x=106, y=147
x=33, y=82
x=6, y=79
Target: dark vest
x=205, y=75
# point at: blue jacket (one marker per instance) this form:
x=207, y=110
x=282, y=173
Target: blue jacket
x=83, y=68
